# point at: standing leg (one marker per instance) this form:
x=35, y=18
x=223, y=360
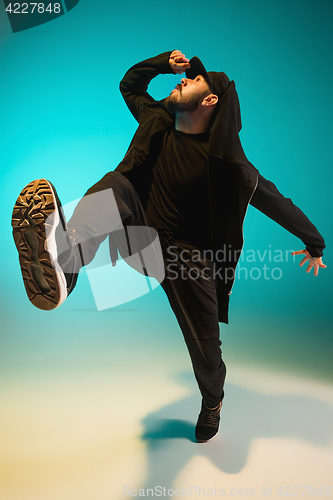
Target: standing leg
x=192, y=295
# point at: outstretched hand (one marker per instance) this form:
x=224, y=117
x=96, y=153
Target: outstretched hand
x=178, y=62
x=314, y=262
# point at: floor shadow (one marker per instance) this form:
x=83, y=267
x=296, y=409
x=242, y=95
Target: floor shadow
x=165, y=428
x=246, y=415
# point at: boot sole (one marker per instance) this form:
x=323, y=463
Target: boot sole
x=206, y=440
x=35, y=219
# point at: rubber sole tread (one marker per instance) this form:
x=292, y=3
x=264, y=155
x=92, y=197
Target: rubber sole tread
x=31, y=214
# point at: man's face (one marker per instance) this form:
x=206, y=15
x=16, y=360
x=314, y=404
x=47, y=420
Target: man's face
x=188, y=95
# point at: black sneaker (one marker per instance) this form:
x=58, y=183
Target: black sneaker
x=208, y=423
x=49, y=257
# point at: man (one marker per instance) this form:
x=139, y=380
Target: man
x=186, y=176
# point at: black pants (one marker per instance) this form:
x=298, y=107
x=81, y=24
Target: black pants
x=188, y=280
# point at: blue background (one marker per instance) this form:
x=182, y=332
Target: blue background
x=63, y=118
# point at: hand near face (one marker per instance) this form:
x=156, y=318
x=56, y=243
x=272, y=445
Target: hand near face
x=315, y=262
x=178, y=62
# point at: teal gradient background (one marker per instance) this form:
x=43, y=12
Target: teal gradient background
x=90, y=401
x=63, y=118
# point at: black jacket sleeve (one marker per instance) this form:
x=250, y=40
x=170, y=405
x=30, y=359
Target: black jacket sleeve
x=133, y=86
x=272, y=203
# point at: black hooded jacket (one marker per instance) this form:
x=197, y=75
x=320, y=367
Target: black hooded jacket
x=233, y=181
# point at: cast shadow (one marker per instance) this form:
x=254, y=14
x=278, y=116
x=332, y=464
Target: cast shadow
x=246, y=415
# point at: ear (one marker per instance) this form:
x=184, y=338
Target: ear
x=210, y=100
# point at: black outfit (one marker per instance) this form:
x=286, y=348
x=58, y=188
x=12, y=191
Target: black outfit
x=232, y=180
x=178, y=202
x=194, y=190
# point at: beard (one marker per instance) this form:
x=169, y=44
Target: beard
x=176, y=103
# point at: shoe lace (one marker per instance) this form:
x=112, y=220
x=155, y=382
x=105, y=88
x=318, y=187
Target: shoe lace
x=209, y=417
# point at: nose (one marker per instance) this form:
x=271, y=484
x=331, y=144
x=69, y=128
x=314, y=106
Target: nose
x=184, y=81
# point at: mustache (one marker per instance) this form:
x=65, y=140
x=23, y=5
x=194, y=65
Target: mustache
x=179, y=87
